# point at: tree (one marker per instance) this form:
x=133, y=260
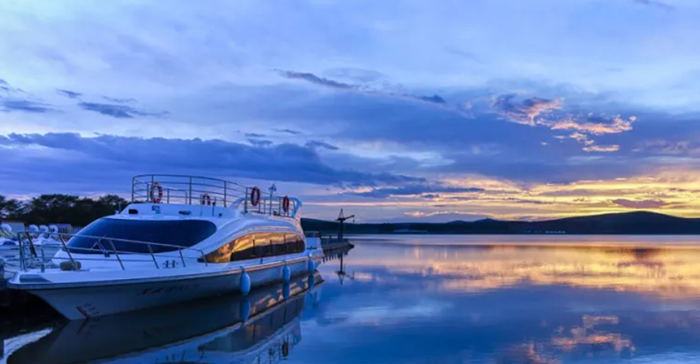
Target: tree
x=9, y=208
x=60, y=208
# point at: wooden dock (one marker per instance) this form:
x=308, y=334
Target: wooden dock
x=330, y=244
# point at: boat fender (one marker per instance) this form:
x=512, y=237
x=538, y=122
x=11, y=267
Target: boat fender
x=286, y=274
x=68, y=265
x=285, y=349
x=244, y=309
x=312, y=281
x=245, y=283
x=311, y=266
x=286, y=291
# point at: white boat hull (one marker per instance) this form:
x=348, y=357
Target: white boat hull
x=77, y=302
x=225, y=329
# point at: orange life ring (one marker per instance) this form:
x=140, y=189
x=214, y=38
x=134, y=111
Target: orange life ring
x=156, y=186
x=255, y=196
x=285, y=204
x=206, y=200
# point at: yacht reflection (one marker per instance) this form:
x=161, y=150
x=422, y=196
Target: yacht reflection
x=263, y=326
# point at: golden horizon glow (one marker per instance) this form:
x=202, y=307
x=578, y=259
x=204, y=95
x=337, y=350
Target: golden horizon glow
x=672, y=192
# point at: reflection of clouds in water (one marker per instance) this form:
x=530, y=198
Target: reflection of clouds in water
x=589, y=335
x=387, y=314
x=526, y=353
x=513, y=305
x=574, y=342
x=670, y=272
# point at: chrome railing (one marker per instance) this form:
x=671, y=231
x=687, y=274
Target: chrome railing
x=182, y=189
x=33, y=253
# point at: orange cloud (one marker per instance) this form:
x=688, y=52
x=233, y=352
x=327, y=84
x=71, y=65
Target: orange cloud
x=526, y=111
x=618, y=125
x=602, y=148
x=644, y=204
x=671, y=191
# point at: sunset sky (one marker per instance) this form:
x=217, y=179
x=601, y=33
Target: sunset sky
x=394, y=110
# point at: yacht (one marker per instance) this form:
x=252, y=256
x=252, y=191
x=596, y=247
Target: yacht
x=263, y=327
x=180, y=238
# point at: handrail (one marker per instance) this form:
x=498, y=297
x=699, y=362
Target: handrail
x=184, y=189
x=28, y=261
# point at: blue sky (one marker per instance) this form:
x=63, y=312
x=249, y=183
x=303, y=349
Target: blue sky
x=405, y=110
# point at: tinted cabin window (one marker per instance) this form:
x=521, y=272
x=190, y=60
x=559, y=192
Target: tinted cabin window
x=294, y=243
x=257, y=245
x=182, y=233
x=278, y=247
x=244, y=249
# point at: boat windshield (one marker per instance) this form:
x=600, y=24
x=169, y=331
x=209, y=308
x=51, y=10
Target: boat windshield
x=95, y=238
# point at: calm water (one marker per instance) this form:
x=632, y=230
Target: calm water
x=422, y=300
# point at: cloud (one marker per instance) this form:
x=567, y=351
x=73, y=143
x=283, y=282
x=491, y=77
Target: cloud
x=119, y=100
x=431, y=217
x=69, y=94
x=355, y=74
x=581, y=138
x=657, y=4
x=254, y=135
x=4, y=85
x=311, y=78
x=117, y=111
x=529, y=113
x=665, y=147
x=643, y=204
x=602, y=148
x=618, y=125
x=525, y=112
x=17, y=100
x=434, y=99
x=288, y=131
x=260, y=143
x=10, y=105
x=411, y=190
x=320, y=144
x=132, y=155
x=463, y=54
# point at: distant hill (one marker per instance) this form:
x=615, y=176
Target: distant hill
x=623, y=223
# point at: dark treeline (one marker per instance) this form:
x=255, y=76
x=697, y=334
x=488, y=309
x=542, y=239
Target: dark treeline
x=621, y=223
x=80, y=211
x=48, y=209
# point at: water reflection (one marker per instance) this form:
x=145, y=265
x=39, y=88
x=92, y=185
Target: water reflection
x=424, y=304
x=666, y=272
x=512, y=304
x=264, y=327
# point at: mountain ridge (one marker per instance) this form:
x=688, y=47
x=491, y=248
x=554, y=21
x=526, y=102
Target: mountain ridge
x=636, y=222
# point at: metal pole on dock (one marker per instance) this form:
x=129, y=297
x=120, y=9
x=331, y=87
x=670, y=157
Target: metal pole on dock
x=341, y=219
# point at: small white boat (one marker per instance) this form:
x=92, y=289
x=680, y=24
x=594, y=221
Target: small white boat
x=181, y=238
